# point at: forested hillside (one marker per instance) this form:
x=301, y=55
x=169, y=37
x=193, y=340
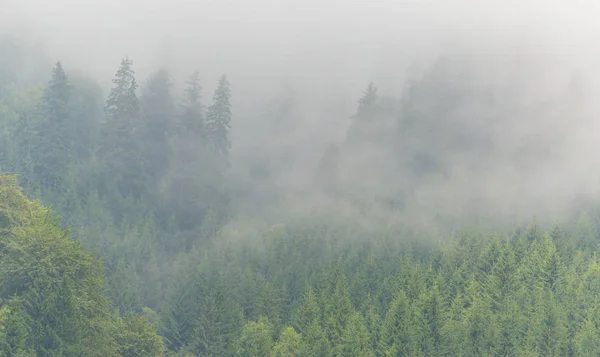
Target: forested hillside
x=130, y=226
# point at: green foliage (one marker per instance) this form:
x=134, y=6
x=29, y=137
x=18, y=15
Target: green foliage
x=52, y=143
x=256, y=339
x=158, y=115
x=192, y=116
x=355, y=341
x=148, y=186
x=120, y=148
x=289, y=344
x=14, y=330
x=54, y=288
x=218, y=121
x=136, y=337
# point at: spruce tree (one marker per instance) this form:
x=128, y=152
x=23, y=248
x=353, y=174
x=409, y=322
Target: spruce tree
x=289, y=344
x=158, y=113
x=192, y=116
x=52, y=152
x=218, y=121
x=367, y=104
x=189, y=171
x=255, y=340
x=397, y=330
x=355, y=341
x=308, y=311
x=121, y=150
x=367, y=114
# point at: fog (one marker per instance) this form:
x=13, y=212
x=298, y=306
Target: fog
x=538, y=59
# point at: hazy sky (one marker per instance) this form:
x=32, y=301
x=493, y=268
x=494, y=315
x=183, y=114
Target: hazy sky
x=326, y=40
x=326, y=51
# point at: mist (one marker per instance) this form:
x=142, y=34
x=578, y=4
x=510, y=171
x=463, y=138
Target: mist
x=535, y=60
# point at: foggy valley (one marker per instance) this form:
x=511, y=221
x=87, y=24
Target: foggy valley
x=299, y=178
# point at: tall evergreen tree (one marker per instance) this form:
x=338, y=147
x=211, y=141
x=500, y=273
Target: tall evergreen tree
x=86, y=107
x=120, y=149
x=158, y=113
x=367, y=116
x=355, y=341
x=52, y=152
x=255, y=340
x=192, y=116
x=189, y=169
x=218, y=121
x=367, y=104
x=397, y=330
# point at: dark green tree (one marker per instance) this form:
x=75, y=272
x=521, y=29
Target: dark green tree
x=255, y=340
x=120, y=150
x=355, y=340
x=192, y=116
x=52, y=148
x=218, y=122
x=397, y=329
x=188, y=196
x=158, y=118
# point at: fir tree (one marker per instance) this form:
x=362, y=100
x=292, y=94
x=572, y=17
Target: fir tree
x=157, y=109
x=218, y=121
x=52, y=152
x=121, y=148
x=290, y=344
x=190, y=170
x=367, y=116
x=192, y=116
x=255, y=339
x=355, y=341
x=397, y=330
x=367, y=104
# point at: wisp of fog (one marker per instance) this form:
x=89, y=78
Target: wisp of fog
x=485, y=109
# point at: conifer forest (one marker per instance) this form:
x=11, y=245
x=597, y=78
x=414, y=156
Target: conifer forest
x=176, y=210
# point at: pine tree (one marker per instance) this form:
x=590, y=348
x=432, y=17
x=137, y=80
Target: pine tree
x=24, y=140
x=187, y=183
x=307, y=313
x=586, y=339
x=125, y=286
x=86, y=111
x=218, y=122
x=337, y=308
x=269, y=303
x=14, y=329
x=397, y=330
x=429, y=320
x=255, y=339
x=355, y=341
x=367, y=116
x=192, y=116
x=367, y=104
x=290, y=344
x=52, y=151
x=479, y=328
x=60, y=284
x=157, y=109
x=121, y=148
x=216, y=326
x=315, y=341
x=136, y=337
x=547, y=330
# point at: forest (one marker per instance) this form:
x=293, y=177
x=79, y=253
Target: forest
x=130, y=225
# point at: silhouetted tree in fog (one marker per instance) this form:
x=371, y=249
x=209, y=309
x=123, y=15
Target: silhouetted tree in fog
x=157, y=110
x=52, y=152
x=120, y=149
x=218, y=121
